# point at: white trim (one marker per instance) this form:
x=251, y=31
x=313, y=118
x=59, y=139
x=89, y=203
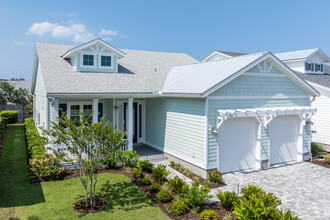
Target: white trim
x=81, y=107
x=130, y=123
x=213, y=53
x=258, y=97
x=82, y=53
x=206, y=112
x=265, y=74
x=100, y=54
x=95, y=108
x=98, y=95
x=114, y=114
x=318, y=85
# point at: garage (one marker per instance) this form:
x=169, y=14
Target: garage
x=237, y=143
x=284, y=138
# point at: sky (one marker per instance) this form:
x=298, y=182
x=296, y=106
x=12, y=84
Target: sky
x=196, y=28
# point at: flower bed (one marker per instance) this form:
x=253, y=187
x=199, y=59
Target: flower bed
x=215, y=182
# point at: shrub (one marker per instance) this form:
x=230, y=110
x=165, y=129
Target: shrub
x=250, y=190
x=227, y=199
x=281, y=214
x=208, y=214
x=177, y=184
x=179, y=208
x=111, y=161
x=316, y=148
x=9, y=117
x=146, y=166
x=255, y=204
x=2, y=128
x=45, y=167
x=154, y=188
x=35, y=142
x=137, y=173
x=129, y=158
x=215, y=176
x=195, y=196
x=146, y=181
x=172, y=163
x=326, y=160
x=184, y=171
x=160, y=172
x=164, y=196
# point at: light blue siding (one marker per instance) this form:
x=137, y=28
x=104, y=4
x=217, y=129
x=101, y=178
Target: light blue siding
x=265, y=67
x=177, y=126
x=254, y=85
x=41, y=101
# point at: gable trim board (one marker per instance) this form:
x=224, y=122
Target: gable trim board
x=91, y=43
x=285, y=69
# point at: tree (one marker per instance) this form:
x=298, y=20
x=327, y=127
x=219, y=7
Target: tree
x=86, y=144
x=16, y=96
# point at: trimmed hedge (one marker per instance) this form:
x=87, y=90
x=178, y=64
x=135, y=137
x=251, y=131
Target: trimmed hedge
x=2, y=128
x=35, y=143
x=9, y=117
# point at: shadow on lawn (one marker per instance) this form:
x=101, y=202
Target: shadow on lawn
x=123, y=195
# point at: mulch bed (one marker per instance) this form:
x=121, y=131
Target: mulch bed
x=81, y=207
x=320, y=163
x=2, y=140
x=202, y=181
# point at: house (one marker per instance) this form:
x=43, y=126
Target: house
x=245, y=112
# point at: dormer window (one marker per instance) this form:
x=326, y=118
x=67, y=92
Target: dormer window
x=106, y=61
x=88, y=60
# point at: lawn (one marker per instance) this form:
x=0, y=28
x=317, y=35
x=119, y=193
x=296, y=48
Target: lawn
x=53, y=200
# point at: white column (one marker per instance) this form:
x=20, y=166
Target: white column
x=130, y=124
x=55, y=111
x=96, y=110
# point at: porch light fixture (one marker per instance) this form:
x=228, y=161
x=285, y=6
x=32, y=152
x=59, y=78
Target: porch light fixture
x=116, y=107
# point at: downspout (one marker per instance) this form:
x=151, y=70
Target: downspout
x=310, y=152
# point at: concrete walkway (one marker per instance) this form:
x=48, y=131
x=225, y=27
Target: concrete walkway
x=302, y=187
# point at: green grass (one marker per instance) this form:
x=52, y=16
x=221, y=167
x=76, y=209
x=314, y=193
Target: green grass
x=53, y=200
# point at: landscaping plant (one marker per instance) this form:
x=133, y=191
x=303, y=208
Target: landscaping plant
x=35, y=142
x=89, y=142
x=164, y=196
x=9, y=117
x=177, y=184
x=208, y=214
x=137, y=173
x=160, y=172
x=146, y=181
x=146, y=166
x=196, y=196
x=215, y=176
x=281, y=214
x=255, y=204
x=179, y=208
x=315, y=149
x=227, y=199
x=154, y=188
x=129, y=158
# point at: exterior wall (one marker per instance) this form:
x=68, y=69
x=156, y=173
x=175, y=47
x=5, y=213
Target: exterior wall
x=41, y=101
x=177, y=126
x=217, y=56
x=321, y=127
x=298, y=66
x=253, y=91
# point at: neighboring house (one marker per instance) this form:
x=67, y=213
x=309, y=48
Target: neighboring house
x=245, y=112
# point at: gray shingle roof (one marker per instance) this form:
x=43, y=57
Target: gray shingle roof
x=323, y=80
x=21, y=84
x=138, y=72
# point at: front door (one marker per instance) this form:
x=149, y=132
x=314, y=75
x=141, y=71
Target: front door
x=135, y=120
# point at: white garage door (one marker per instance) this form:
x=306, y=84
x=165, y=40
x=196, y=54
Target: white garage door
x=237, y=143
x=284, y=135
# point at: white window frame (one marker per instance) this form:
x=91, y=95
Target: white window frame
x=81, y=107
x=82, y=60
x=100, y=61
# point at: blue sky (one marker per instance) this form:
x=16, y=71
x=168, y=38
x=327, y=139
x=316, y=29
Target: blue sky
x=193, y=27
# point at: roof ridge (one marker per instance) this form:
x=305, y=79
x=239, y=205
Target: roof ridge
x=293, y=51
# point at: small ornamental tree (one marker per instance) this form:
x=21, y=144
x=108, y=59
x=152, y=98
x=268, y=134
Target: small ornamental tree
x=86, y=145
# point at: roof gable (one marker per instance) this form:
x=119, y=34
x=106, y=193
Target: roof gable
x=218, y=55
x=302, y=55
x=93, y=45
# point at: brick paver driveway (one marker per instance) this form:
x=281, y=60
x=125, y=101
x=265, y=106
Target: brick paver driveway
x=303, y=187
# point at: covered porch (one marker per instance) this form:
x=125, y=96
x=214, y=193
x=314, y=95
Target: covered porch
x=126, y=114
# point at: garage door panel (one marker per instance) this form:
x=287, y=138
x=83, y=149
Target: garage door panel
x=284, y=135
x=237, y=143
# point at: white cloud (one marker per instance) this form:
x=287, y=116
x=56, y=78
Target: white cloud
x=77, y=32
x=111, y=33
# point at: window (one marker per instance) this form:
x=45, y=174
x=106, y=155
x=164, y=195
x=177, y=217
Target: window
x=88, y=60
x=312, y=65
x=106, y=61
x=75, y=112
x=87, y=111
x=321, y=67
x=309, y=66
x=316, y=67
